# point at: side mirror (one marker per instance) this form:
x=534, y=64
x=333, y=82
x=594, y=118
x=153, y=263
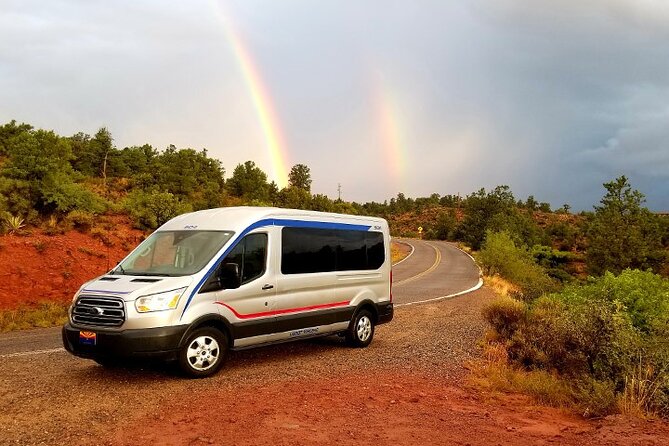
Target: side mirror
x=229, y=276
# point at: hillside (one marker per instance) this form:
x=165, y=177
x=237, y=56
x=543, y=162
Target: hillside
x=37, y=267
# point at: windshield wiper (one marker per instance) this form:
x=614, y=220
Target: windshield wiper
x=119, y=266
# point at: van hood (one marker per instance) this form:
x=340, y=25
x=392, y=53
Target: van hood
x=131, y=287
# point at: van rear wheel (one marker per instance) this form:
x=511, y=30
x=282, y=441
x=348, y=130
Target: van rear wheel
x=203, y=353
x=361, y=329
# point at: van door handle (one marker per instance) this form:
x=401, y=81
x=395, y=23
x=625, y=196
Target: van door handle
x=267, y=287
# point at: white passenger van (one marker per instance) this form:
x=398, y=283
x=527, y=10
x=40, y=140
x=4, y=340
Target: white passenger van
x=234, y=278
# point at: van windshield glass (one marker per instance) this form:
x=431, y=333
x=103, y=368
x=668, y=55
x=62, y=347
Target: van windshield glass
x=173, y=253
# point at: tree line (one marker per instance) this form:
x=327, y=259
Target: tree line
x=47, y=176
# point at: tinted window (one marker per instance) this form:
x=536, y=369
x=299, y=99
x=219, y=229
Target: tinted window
x=376, y=253
x=308, y=250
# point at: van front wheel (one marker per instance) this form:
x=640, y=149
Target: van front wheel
x=203, y=353
x=361, y=330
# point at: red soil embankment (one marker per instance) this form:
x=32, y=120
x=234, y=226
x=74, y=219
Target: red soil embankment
x=37, y=267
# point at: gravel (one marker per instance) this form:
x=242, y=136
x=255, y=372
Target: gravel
x=56, y=398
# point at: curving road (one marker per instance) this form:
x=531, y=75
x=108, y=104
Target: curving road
x=434, y=270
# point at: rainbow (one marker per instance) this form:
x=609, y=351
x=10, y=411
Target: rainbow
x=262, y=101
x=389, y=130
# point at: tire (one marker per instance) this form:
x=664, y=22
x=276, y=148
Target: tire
x=203, y=353
x=361, y=330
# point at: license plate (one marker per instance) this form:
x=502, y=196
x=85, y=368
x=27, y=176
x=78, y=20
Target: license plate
x=87, y=338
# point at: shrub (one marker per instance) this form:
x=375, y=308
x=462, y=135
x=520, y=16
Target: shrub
x=596, y=398
x=500, y=255
x=504, y=314
x=151, y=209
x=82, y=221
x=608, y=335
x=445, y=226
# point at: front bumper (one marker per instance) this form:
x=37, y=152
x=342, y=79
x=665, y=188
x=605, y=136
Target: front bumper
x=161, y=342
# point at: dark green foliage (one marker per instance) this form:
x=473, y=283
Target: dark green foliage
x=623, y=234
x=249, y=182
x=497, y=211
x=294, y=198
x=9, y=131
x=15, y=196
x=133, y=161
x=567, y=237
x=300, y=177
x=90, y=154
x=450, y=201
x=446, y=225
x=189, y=175
x=322, y=203
x=40, y=160
x=151, y=208
x=555, y=262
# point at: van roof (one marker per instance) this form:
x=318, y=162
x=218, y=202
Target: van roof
x=239, y=218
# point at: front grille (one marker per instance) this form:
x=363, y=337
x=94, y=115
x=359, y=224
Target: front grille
x=99, y=311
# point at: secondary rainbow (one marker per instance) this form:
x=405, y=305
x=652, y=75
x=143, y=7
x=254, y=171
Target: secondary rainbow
x=262, y=101
x=389, y=130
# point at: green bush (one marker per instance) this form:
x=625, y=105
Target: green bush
x=500, y=255
x=604, y=334
x=151, y=209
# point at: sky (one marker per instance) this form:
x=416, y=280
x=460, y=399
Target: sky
x=550, y=97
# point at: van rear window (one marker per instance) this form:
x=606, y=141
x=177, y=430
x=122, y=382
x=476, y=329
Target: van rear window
x=311, y=250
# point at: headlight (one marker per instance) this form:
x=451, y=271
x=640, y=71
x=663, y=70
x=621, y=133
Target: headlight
x=159, y=302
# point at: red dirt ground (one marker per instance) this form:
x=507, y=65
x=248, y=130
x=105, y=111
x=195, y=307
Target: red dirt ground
x=377, y=408
x=38, y=267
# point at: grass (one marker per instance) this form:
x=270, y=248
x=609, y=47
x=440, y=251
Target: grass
x=493, y=373
x=45, y=314
x=397, y=253
x=501, y=286
x=641, y=386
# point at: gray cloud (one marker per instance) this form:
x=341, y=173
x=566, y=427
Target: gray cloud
x=551, y=97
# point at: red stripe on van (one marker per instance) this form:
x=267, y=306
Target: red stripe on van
x=284, y=311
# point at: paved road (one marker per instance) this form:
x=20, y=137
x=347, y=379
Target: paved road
x=434, y=269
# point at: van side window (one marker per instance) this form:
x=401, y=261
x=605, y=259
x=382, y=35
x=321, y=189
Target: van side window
x=255, y=254
x=250, y=255
x=311, y=250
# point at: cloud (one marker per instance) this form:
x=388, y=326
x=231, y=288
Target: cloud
x=550, y=97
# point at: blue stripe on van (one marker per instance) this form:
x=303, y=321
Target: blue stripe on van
x=272, y=222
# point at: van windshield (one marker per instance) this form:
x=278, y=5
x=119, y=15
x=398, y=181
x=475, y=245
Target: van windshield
x=173, y=253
